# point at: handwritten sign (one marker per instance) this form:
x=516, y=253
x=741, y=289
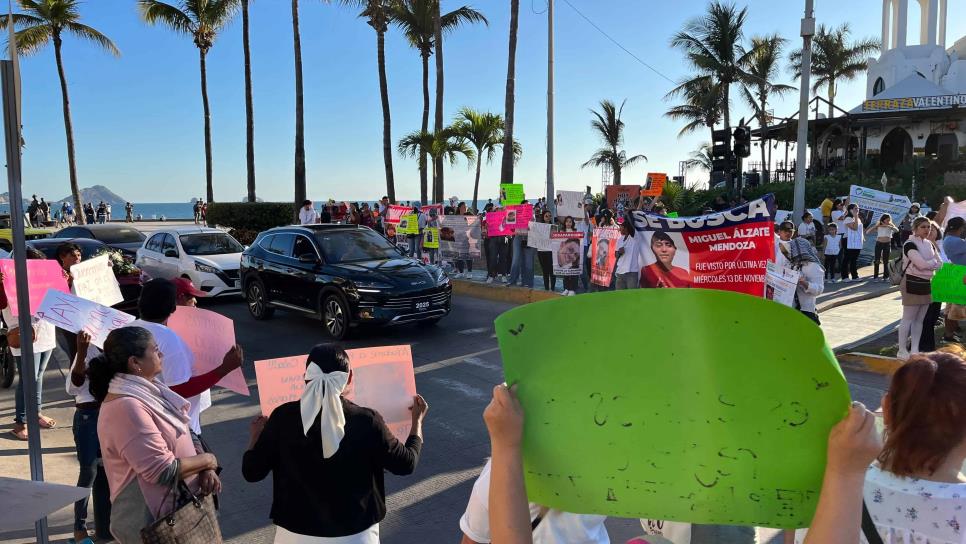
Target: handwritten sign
x=511, y=193
x=947, y=284
x=745, y=444
x=75, y=314
x=539, y=236
x=655, y=184
x=518, y=216
x=408, y=224
x=94, y=280
x=569, y=204
x=41, y=276
x=382, y=379
x=395, y=213
x=781, y=283
x=210, y=336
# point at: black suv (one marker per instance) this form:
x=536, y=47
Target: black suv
x=345, y=274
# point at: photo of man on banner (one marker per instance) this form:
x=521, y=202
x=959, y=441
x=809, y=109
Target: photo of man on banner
x=668, y=261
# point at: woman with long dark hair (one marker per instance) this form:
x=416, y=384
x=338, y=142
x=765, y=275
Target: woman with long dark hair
x=545, y=258
x=569, y=282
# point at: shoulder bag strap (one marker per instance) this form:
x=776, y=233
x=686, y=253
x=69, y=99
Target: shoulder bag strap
x=868, y=527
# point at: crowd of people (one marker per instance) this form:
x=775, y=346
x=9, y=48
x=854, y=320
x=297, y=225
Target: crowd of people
x=42, y=214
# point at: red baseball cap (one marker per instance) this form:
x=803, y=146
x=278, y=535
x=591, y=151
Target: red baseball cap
x=185, y=287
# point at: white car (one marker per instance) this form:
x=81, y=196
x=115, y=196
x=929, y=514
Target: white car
x=208, y=257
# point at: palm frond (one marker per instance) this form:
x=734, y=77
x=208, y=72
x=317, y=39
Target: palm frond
x=464, y=15
x=155, y=12
x=634, y=160
x=93, y=35
x=33, y=39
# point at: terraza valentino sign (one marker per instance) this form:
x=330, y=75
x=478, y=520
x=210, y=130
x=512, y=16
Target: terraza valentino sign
x=914, y=103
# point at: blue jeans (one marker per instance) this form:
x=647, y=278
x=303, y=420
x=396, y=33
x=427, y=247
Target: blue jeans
x=415, y=246
x=90, y=475
x=20, y=404
x=522, y=263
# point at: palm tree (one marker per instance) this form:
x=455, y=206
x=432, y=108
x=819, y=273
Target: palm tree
x=416, y=18
x=300, y=189
x=712, y=44
x=484, y=131
x=46, y=21
x=446, y=145
x=702, y=107
x=700, y=158
x=202, y=20
x=249, y=105
x=506, y=167
x=834, y=57
x=377, y=13
x=608, y=125
x=438, y=122
x=762, y=66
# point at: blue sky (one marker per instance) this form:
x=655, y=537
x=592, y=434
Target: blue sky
x=138, y=119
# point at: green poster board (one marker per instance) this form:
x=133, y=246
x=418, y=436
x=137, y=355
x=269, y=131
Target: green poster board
x=431, y=238
x=511, y=193
x=408, y=224
x=947, y=284
x=672, y=214
x=695, y=405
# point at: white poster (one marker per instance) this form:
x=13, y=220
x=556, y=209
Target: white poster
x=94, y=280
x=780, y=284
x=459, y=236
x=29, y=501
x=74, y=314
x=539, y=236
x=567, y=248
x=570, y=204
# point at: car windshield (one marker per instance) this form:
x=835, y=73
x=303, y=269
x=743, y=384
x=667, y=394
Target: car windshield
x=119, y=236
x=354, y=245
x=210, y=243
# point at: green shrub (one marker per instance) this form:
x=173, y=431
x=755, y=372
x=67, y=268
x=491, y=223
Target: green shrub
x=245, y=218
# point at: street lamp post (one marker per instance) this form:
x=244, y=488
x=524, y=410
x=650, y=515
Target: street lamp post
x=550, y=187
x=808, y=30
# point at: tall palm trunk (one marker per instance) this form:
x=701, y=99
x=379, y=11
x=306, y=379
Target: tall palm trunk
x=831, y=98
x=726, y=98
x=438, y=125
x=506, y=170
x=249, y=105
x=423, y=182
x=764, y=131
x=616, y=167
x=69, y=128
x=299, y=114
x=476, y=184
x=386, y=120
x=209, y=187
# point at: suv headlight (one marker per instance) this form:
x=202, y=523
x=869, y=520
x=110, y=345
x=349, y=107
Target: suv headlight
x=201, y=267
x=371, y=286
x=441, y=278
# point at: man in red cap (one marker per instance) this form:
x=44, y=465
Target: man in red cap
x=187, y=292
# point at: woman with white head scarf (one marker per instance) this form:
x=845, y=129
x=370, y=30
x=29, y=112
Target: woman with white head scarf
x=811, y=283
x=327, y=456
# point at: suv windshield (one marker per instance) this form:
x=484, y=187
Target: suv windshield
x=119, y=236
x=210, y=243
x=354, y=245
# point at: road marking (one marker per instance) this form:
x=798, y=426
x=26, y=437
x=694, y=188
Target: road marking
x=450, y=362
x=473, y=331
x=468, y=390
x=483, y=363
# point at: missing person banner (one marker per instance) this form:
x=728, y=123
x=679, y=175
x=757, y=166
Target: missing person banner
x=726, y=250
x=567, y=248
x=603, y=250
x=519, y=216
x=780, y=284
x=428, y=209
x=655, y=184
x=620, y=197
x=570, y=204
x=431, y=238
x=395, y=213
x=497, y=225
x=511, y=193
x=459, y=236
x=539, y=237
x=408, y=224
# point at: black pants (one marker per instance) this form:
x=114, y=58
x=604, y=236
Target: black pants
x=506, y=257
x=545, y=258
x=494, y=246
x=813, y=316
x=927, y=341
x=830, y=262
x=851, y=263
x=882, y=253
x=464, y=264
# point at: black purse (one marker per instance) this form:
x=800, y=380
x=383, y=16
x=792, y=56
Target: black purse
x=918, y=286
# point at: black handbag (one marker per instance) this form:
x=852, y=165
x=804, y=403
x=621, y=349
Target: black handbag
x=192, y=520
x=918, y=286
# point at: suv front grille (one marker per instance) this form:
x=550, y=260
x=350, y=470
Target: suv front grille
x=436, y=297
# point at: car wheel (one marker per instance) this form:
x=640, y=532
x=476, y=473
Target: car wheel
x=258, y=301
x=335, y=317
x=8, y=368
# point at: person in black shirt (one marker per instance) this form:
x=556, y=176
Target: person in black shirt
x=330, y=487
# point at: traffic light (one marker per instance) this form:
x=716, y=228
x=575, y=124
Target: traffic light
x=721, y=156
x=742, y=135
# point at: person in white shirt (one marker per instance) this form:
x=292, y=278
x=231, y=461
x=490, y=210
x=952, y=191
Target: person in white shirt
x=807, y=228
x=553, y=527
x=854, y=240
x=307, y=214
x=785, y=232
x=628, y=267
x=805, y=260
x=833, y=246
x=884, y=230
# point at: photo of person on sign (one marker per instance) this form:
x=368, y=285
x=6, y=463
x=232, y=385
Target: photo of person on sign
x=662, y=272
x=568, y=256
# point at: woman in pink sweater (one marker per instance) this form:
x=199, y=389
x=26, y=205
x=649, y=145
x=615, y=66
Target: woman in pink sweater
x=920, y=262
x=143, y=430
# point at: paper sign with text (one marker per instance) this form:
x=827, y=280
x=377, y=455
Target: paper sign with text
x=511, y=193
x=459, y=236
x=655, y=184
x=431, y=238
x=279, y=381
x=74, y=314
x=947, y=284
x=408, y=224
x=519, y=216
x=496, y=224
x=569, y=204
x=781, y=283
x=603, y=249
x=94, y=280
x=41, y=276
x=539, y=236
x=209, y=335
x=567, y=253
x=395, y=213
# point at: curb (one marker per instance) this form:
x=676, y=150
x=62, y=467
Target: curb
x=857, y=298
x=501, y=293
x=867, y=362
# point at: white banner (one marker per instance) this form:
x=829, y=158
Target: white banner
x=780, y=284
x=459, y=236
x=570, y=204
x=74, y=314
x=539, y=236
x=94, y=280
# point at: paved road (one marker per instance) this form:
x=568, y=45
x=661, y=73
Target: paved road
x=457, y=363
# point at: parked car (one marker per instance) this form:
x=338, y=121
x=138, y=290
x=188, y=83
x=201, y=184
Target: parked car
x=123, y=237
x=30, y=233
x=346, y=275
x=208, y=257
x=127, y=274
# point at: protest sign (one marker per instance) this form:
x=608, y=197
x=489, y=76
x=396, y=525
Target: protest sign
x=395, y=213
x=496, y=224
x=723, y=250
x=519, y=216
x=947, y=284
x=511, y=193
x=567, y=248
x=382, y=379
x=603, y=249
x=41, y=276
x=570, y=204
x=74, y=314
x=953, y=209
x=620, y=197
x=655, y=184
x=459, y=236
x=210, y=336
x=875, y=203
x=427, y=209
x=539, y=237
x=28, y=501
x=744, y=445
x=94, y=280
x=431, y=238
x=408, y=224
x=780, y=284
x=672, y=214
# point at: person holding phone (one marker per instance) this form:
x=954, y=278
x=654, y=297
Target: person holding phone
x=854, y=240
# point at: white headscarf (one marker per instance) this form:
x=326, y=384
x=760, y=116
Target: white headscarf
x=322, y=394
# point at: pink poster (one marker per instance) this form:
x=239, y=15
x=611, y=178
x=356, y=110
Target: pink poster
x=438, y=207
x=395, y=213
x=41, y=276
x=496, y=224
x=279, y=381
x=519, y=216
x=210, y=336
